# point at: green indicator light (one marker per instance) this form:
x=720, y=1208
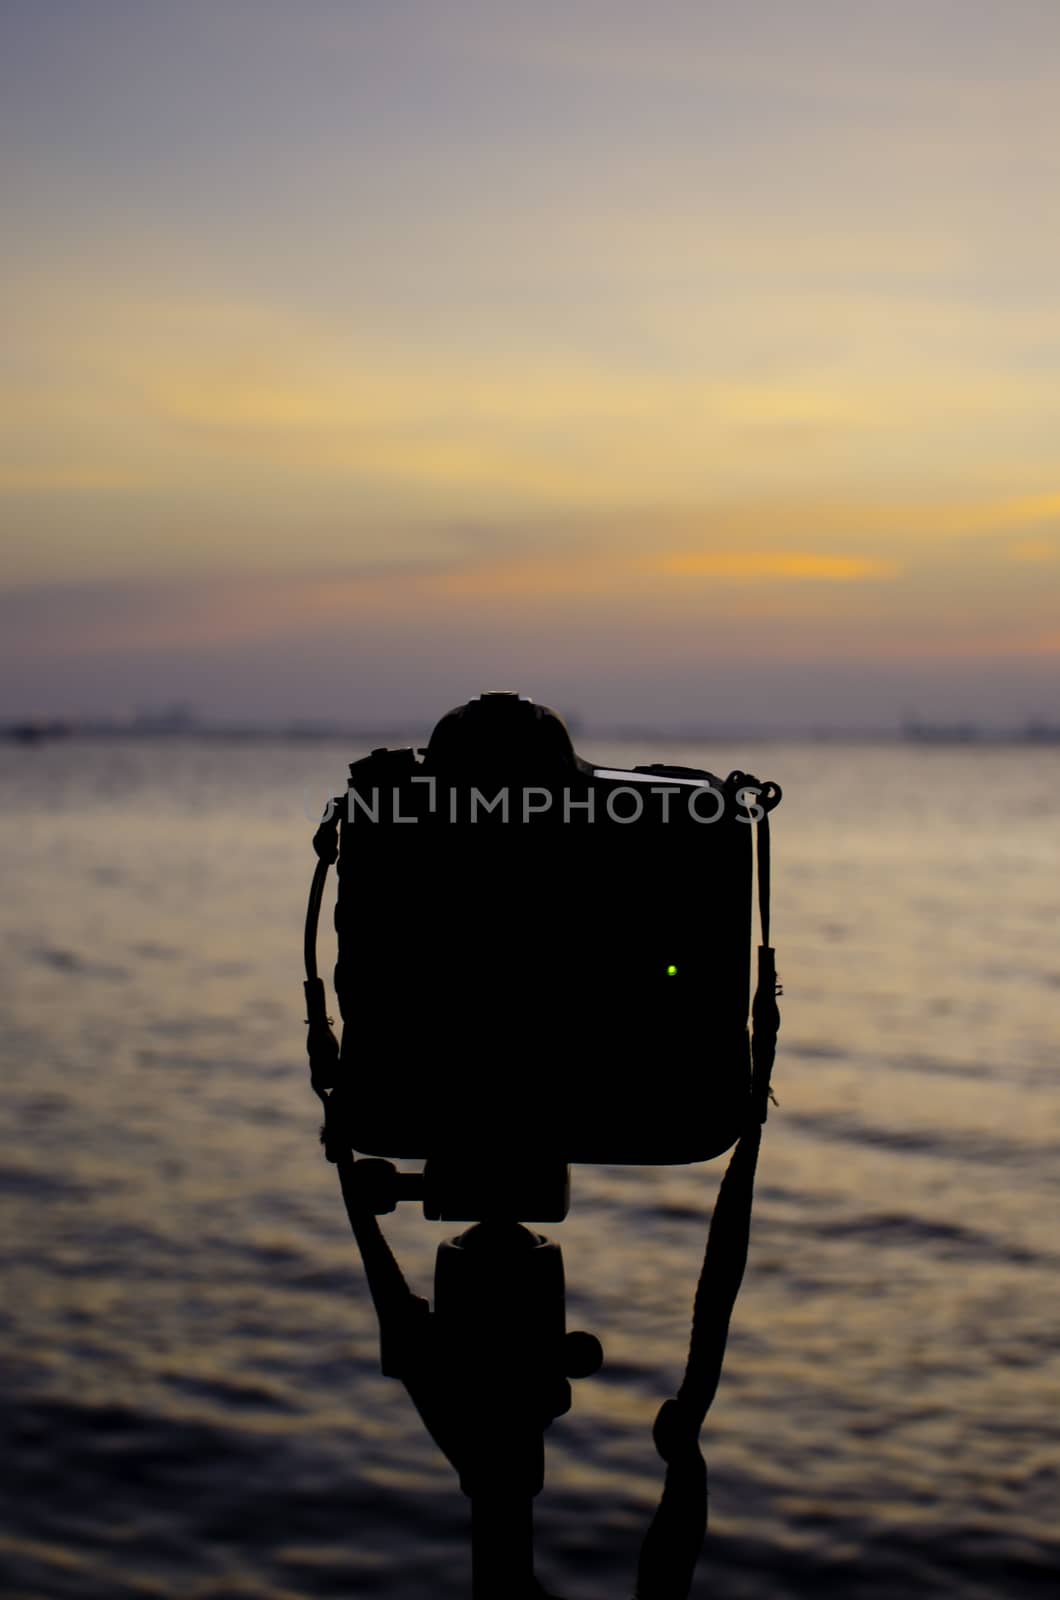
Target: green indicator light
x=671, y=972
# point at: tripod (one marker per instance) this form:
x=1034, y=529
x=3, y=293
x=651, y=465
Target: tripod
x=488, y=1369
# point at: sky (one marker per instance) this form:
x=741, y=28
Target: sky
x=673, y=363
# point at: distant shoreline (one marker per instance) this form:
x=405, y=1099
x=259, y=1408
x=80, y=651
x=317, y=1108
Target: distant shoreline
x=29, y=732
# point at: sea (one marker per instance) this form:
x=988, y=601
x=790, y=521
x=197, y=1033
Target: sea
x=192, y=1401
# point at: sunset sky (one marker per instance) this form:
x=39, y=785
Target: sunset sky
x=685, y=362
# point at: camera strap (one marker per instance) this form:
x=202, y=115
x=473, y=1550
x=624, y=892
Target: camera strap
x=321, y=1043
x=765, y=1013
x=674, y=1540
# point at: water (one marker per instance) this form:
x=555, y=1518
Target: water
x=193, y=1406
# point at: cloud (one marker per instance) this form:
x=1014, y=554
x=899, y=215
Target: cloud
x=1039, y=551
x=67, y=479
x=751, y=565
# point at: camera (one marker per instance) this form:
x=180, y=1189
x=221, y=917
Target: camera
x=542, y=960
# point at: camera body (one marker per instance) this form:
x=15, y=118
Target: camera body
x=556, y=952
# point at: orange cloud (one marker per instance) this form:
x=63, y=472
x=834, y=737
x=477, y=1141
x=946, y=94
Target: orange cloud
x=59, y=479
x=753, y=564
x=1035, y=550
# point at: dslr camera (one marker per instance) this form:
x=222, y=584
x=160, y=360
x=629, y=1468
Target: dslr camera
x=540, y=960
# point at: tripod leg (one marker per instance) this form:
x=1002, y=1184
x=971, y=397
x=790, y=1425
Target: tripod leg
x=502, y=1546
